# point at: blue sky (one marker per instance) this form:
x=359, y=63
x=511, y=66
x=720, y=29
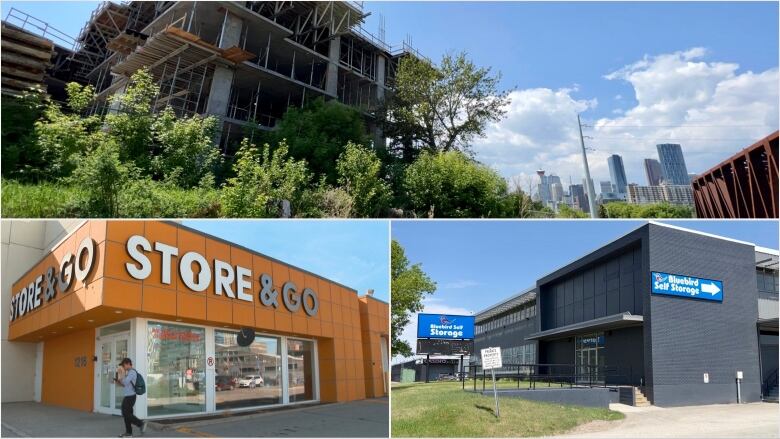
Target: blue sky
x=702, y=74
x=479, y=263
x=354, y=253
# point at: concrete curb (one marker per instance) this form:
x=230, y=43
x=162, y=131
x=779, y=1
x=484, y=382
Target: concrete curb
x=225, y=417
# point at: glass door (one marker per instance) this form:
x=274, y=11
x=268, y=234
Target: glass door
x=112, y=351
x=589, y=359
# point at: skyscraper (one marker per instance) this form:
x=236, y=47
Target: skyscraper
x=578, y=197
x=653, y=172
x=617, y=173
x=673, y=164
x=606, y=187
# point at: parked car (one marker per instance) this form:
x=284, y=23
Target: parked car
x=251, y=381
x=224, y=382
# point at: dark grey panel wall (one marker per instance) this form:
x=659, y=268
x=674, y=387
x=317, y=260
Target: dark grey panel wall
x=557, y=351
x=624, y=356
x=609, y=285
x=690, y=337
x=507, y=336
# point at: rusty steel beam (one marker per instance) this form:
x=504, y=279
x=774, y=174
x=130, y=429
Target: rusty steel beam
x=742, y=186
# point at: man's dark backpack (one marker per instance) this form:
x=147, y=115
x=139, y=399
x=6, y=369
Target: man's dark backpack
x=139, y=385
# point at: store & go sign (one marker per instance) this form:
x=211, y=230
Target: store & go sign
x=223, y=274
x=46, y=286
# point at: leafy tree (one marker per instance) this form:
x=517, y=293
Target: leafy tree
x=660, y=210
x=318, y=134
x=262, y=181
x=103, y=176
x=440, y=108
x=564, y=211
x=187, y=152
x=358, y=173
x=132, y=125
x=408, y=286
x=79, y=97
x=450, y=185
x=62, y=137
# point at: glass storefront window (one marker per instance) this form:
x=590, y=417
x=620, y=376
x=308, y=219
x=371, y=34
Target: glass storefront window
x=300, y=367
x=175, y=378
x=247, y=376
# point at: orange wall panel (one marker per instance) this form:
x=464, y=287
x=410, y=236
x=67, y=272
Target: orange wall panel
x=64, y=384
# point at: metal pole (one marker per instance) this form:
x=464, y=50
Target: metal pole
x=739, y=391
x=495, y=392
x=588, y=183
x=462, y=377
x=427, y=366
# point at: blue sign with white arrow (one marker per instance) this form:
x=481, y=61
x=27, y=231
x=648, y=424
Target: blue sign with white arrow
x=687, y=286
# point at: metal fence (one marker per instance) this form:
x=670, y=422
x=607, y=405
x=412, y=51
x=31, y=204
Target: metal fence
x=530, y=376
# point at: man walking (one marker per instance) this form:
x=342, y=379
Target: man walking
x=128, y=384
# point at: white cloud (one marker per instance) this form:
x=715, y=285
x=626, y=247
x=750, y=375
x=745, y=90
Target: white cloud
x=459, y=285
x=681, y=88
x=431, y=305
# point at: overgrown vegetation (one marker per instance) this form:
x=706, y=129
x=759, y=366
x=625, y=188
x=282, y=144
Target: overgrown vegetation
x=318, y=162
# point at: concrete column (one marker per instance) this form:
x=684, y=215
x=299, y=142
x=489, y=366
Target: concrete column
x=222, y=81
x=380, y=77
x=332, y=78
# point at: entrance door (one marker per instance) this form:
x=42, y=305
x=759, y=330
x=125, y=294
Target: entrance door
x=589, y=359
x=112, y=350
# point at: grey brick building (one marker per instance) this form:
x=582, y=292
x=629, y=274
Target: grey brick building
x=597, y=320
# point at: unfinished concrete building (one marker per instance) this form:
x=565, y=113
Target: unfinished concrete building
x=244, y=62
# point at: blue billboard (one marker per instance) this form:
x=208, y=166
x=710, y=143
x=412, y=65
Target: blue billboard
x=686, y=286
x=445, y=326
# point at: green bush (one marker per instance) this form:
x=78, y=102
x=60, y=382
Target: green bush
x=103, y=177
x=318, y=134
x=661, y=210
x=263, y=181
x=358, y=170
x=450, y=185
x=187, y=150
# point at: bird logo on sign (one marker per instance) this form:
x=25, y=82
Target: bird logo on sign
x=445, y=321
x=660, y=277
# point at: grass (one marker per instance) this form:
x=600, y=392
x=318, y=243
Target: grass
x=44, y=200
x=444, y=410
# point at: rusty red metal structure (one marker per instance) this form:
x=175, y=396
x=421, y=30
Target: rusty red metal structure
x=743, y=186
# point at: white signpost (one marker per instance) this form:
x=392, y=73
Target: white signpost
x=491, y=359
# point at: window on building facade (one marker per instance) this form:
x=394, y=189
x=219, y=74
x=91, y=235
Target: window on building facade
x=300, y=364
x=176, y=369
x=247, y=376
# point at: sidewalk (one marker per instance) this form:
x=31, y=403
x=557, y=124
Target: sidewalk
x=367, y=418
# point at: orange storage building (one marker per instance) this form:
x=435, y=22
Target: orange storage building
x=211, y=325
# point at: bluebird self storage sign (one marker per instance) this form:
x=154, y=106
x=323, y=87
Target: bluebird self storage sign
x=445, y=326
x=687, y=286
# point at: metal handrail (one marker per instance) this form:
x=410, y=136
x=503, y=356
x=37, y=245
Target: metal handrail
x=575, y=376
x=44, y=29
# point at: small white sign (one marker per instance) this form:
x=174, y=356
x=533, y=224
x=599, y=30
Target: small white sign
x=739, y=375
x=491, y=358
x=706, y=378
